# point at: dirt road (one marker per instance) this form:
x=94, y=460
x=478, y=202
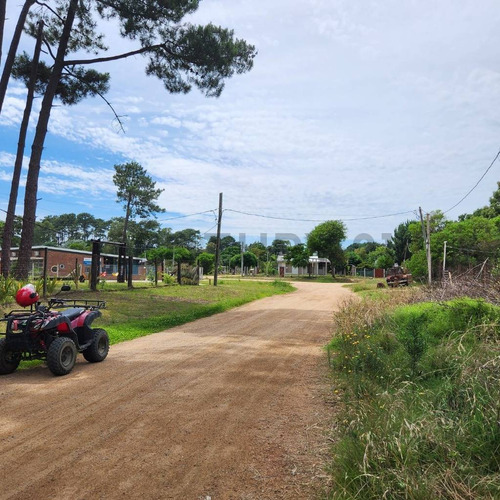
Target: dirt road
x=227, y=407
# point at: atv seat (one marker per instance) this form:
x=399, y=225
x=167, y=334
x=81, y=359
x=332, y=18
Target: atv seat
x=72, y=313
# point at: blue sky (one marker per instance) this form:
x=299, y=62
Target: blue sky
x=353, y=110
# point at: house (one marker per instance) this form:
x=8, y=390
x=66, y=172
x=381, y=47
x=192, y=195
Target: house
x=318, y=266
x=62, y=262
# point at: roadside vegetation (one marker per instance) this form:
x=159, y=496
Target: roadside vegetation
x=417, y=377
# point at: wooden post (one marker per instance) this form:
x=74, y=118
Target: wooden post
x=94, y=267
x=217, y=245
x=45, y=260
x=121, y=263
x=130, y=271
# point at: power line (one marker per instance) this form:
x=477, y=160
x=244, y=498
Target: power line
x=188, y=215
x=317, y=220
x=208, y=230
x=476, y=184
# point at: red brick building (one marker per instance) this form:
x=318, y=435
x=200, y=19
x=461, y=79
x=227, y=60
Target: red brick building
x=61, y=262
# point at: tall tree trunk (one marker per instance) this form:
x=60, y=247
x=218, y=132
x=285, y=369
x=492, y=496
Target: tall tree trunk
x=30, y=200
x=8, y=229
x=127, y=217
x=121, y=256
x=3, y=8
x=11, y=55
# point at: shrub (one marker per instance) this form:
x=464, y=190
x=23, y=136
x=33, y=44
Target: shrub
x=51, y=285
x=169, y=280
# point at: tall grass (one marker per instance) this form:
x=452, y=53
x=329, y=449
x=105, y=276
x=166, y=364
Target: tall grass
x=420, y=386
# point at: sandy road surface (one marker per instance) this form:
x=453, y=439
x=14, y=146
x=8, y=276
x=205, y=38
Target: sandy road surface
x=226, y=407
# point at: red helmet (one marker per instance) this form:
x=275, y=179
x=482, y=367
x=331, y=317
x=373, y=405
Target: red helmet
x=26, y=296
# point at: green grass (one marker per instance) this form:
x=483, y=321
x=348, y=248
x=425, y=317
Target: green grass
x=141, y=311
x=419, y=387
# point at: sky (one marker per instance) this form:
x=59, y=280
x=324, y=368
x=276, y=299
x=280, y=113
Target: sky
x=356, y=111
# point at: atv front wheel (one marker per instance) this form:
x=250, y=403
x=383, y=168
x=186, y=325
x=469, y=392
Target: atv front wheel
x=98, y=349
x=8, y=360
x=61, y=356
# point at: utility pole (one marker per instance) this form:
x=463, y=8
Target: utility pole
x=429, y=260
x=423, y=228
x=242, y=250
x=427, y=243
x=444, y=260
x=217, y=244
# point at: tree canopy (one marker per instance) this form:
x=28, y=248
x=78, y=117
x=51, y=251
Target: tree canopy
x=249, y=260
x=326, y=239
x=298, y=255
x=400, y=242
x=137, y=191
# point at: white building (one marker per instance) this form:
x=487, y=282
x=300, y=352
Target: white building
x=318, y=266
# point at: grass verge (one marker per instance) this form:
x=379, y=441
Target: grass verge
x=420, y=387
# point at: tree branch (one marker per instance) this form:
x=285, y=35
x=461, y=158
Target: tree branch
x=75, y=62
x=70, y=73
x=49, y=48
x=48, y=7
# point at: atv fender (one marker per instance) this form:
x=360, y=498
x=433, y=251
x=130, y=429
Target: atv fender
x=83, y=328
x=87, y=318
x=60, y=322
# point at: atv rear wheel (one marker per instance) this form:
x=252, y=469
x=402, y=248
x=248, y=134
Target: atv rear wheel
x=8, y=360
x=98, y=349
x=61, y=356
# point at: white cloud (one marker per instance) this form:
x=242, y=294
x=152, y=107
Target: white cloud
x=166, y=120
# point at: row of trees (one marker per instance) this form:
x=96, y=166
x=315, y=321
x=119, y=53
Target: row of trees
x=180, y=54
x=77, y=230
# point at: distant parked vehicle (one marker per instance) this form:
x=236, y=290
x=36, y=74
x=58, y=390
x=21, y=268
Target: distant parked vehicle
x=398, y=276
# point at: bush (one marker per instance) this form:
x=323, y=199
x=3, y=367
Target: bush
x=169, y=280
x=51, y=285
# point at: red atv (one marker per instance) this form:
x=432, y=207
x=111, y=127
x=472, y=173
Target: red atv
x=55, y=333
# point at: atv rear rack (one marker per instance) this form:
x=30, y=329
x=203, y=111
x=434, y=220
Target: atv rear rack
x=87, y=304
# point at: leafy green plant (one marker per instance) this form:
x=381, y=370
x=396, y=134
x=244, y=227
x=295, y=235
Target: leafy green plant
x=169, y=280
x=51, y=285
x=412, y=338
x=38, y=285
x=8, y=287
x=150, y=276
